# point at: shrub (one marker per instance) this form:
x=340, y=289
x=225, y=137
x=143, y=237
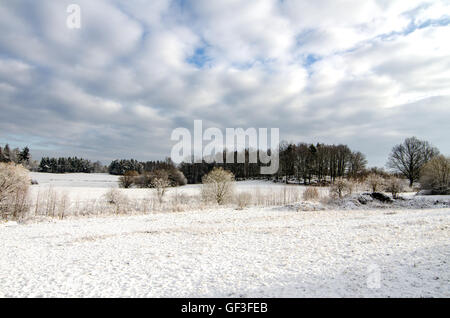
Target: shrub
x=128, y=179
x=311, y=194
x=341, y=188
x=374, y=182
x=144, y=180
x=243, y=200
x=394, y=186
x=118, y=200
x=14, y=186
x=436, y=175
x=177, y=178
x=218, y=186
x=160, y=182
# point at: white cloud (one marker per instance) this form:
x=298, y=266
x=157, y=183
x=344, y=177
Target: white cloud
x=334, y=70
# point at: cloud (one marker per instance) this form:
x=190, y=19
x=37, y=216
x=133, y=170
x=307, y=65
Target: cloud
x=366, y=73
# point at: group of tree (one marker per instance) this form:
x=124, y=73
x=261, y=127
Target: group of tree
x=120, y=167
x=15, y=155
x=319, y=163
x=70, y=165
x=409, y=157
x=303, y=162
x=418, y=160
x=150, y=174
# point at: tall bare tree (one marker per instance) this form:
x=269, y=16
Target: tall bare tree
x=409, y=157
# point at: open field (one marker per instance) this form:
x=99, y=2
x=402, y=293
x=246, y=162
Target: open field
x=88, y=191
x=260, y=251
x=228, y=253
x=85, y=186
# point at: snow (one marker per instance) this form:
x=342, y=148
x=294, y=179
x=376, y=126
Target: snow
x=306, y=249
x=81, y=187
x=269, y=252
x=84, y=180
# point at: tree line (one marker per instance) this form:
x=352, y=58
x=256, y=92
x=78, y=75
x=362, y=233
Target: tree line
x=120, y=167
x=15, y=155
x=319, y=163
x=302, y=162
x=70, y=165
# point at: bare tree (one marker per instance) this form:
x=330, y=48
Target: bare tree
x=218, y=185
x=436, y=175
x=160, y=182
x=357, y=164
x=409, y=157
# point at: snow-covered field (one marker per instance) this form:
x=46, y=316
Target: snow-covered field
x=228, y=253
x=84, y=186
x=343, y=251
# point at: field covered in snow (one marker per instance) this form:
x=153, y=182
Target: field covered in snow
x=88, y=188
x=84, y=186
x=342, y=250
x=228, y=253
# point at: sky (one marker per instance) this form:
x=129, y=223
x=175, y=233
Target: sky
x=363, y=73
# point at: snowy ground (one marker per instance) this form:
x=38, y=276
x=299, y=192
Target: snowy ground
x=228, y=253
x=342, y=250
x=83, y=186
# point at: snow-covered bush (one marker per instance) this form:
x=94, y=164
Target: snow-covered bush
x=394, y=186
x=311, y=194
x=118, y=200
x=374, y=182
x=218, y=186
x=341, y=188
x=243, y=200
x=436, y=175
x=160, y=182
x=14, y=186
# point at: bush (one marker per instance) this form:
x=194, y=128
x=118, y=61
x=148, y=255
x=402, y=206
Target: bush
x=218, y=186
x=374, y=182
x=341, y=188
x=160, y=182
x=14, y=186
x=436, y=175
x=177, y=178
x=243, y=200
x=119, y=200
x=311, y=194
x=394, y=186
x=128, y=179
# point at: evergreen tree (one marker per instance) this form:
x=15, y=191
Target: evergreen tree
x=24, y=156
x=7, y=153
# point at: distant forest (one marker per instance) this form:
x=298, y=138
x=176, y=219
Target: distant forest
x=302, y=162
